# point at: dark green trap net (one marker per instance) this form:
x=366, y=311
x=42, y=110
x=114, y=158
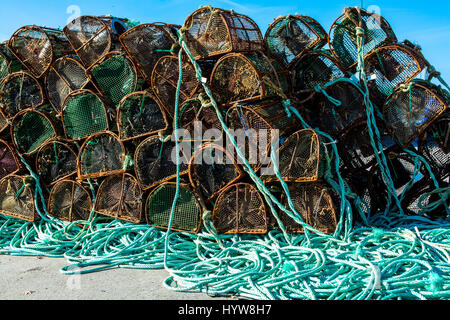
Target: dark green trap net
x=187, y=213
x=69, y=201
x=17, y=198
x=4, y=66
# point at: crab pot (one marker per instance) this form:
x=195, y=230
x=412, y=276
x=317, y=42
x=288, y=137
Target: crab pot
x=299, y=158
x=83, y=114
x=416, y=202
x=342, y=37
x=139, y=114
x=20, y=91
x=212, y=169
x=93, y=37
x=69, y=201
x=9, y=163
x=120, y=197
x=37, y=47
x=17, y=198
x=315, y=68
x=409, y=111
x=65, y=76
x=314, y=202
x=187, y=213
x=5, y=68
x=197, y=120
x=8, y=61
x=165, y=80
x=55, y=161
x=115, y=76
x=244, y=77
x=289, y=37
x=102, y=154
x=240, y=209
x=155, y=161
x=434, y=145
x=253, y=123
x=392, y=65
x=212, y=32
x=30, y=129
x=147, y=43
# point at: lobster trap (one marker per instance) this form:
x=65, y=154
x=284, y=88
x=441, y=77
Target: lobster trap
x=343, y=35
x=55, y=161
x=139, y=114
x=120, y=197
x=289, y=37
x=314, y=202
x=37, y=47
x=69, y=201
x=102, y=154
x=8, y=61
x=155, y=161
x=30, y=129
x=187, y=212
x=211, y=169
x=4, y=66
x=247, y=76
x=411, y=109
x=9, y=163
x=212, y=31
x=83, y=114
x=240, y=209
x=115, y=76
x=17, y=198
x=392, y=65
x=147, y=43
x=65, y=76
x=20, y=91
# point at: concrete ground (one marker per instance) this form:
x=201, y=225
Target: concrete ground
x=35, y=278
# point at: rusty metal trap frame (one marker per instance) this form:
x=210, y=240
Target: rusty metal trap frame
x=246, y=77
x=3, y=121
x=146, y=43
x=17, y=198
x=69, y=201
x=187, y=213
x=153, y=163
x=120, y=196
x=139, y=114
x=289, y=37
x=9, y=162
x=65, y=76
x=240, y=209
x=20, y=91
x=212, y=169
x=343, y=35
x=30, y=129
x=38, y=47
x=83, y=114
x=114, y=76
x=56, y=160
x=411, y=109
x=102, y=154
x=8, y=61
x=92, y=37
x=211, y=32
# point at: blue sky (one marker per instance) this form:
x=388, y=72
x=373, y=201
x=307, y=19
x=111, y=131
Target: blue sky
x=426, y=23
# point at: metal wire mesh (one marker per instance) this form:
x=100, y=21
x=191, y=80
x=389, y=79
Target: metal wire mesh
x=83, y=114
x=102, y=154
x=69, y=201
x=139, y=114
x=3, y=121
x=288, y=37
x=65, y=76
x=9, y=164
x=8, y=61
x=120, y=196
x=20, y=91
x=4, y=66
x=16, y=198
x=213, y=31
x=187, y=213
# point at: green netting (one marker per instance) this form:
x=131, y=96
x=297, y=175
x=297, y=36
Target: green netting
x=4, y=67
x=83, y=114
x=115, y=77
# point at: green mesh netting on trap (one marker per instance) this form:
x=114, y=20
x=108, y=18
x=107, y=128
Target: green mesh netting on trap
x=30, y=130
x=4, y=66
x=186, y=216
x=115, y=77
x=17, y=198
x=83, y=114
x=69, y=201
x=8, y=161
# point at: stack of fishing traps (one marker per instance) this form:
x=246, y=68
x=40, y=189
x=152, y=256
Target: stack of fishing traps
x=90, y=111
